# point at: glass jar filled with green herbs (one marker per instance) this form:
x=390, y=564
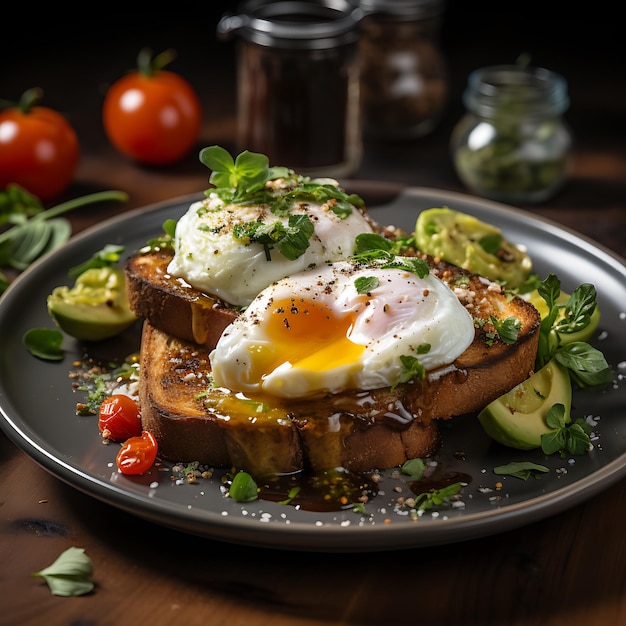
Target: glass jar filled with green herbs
x=512, y=144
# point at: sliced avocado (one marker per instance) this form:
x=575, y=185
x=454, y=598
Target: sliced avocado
x=474, y=245
x=95, y=308
x=582, y=335
x=517, y=419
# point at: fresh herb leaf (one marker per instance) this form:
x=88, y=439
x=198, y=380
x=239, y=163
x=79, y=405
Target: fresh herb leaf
x=411, y=368
x=34, y=231
x=507, y=329
x=366, y=242
x=437, y=497
x=578, y=309
x=522, y=469
x=366, y=284
x=414, y=468
x=587, y=366
x=69, y=574
x=44, y=343
x=565, y=438
x=291, y=240
x=107, y=257
x=243, y=488
x=245, y=174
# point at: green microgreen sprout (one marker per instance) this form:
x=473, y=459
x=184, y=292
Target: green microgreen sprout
x=69, y=574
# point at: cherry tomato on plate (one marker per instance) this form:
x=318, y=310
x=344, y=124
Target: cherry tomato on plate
x=39, y=149
x=137, y=454
x=119, y=417
x=152, y=115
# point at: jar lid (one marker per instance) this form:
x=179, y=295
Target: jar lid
x=303, y=24
x=516, y=90
x=409, y=9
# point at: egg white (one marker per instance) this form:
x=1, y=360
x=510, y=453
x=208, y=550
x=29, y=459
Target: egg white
x=210, y=258
x=314, y=333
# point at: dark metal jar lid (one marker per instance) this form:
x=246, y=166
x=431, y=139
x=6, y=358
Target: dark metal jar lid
x=305, y=24
x=406, y=9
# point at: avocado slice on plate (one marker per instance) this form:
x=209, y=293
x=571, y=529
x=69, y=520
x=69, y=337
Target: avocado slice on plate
x=95, y=308
x=518, y=418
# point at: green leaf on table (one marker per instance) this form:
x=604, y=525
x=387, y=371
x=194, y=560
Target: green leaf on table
x=70, y=573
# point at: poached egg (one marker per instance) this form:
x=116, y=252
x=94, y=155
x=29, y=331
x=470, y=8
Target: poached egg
x=210, y=257
x=340, y=326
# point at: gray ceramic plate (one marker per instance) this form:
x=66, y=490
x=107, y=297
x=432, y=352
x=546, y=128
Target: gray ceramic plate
x=37, y=406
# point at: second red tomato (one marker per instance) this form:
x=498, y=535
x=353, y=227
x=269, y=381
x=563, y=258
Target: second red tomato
x=153, y=118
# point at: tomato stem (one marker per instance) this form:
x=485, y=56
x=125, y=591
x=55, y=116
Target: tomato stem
x=149, y=66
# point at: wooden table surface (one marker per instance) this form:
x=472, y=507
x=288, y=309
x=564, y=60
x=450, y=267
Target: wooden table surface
x=567, y=570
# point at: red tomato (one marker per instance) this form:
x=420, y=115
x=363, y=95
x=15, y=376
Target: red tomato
x=119, y=415
x=137, y=454
x=38, y=148
x=152, y=115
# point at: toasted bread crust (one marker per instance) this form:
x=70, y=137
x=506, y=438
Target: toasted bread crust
x=172, y=305
x=360, y=431
x=322, y=434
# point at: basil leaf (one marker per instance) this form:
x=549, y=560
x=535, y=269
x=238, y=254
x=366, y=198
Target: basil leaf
x=587, y=365
x=44, y=343
x=521, y=469
x=70, y=573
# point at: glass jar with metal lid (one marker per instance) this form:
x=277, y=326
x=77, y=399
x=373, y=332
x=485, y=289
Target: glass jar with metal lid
x=512, y=144
x=298, y=83
x=404, y=83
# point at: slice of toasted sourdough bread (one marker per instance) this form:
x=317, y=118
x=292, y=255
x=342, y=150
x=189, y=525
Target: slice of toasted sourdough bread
x=171, y=304
x=360, y=430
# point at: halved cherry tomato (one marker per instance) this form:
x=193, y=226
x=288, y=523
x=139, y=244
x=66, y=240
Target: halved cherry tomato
x=119, y=417
x=137, y=454
x=38, y=147
x=152, y=115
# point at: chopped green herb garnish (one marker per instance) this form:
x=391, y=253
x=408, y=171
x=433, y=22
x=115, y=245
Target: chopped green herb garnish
x=437, y=497
x=522, y=469
x=366, y=284
x=291, y=240
x=507, y=329
x=411, y=368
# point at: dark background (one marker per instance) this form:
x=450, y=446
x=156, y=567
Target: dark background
x=82, y=56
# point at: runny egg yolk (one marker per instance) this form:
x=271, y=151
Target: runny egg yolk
x=311, y=333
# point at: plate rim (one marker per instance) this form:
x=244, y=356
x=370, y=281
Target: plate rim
x=274, y=536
